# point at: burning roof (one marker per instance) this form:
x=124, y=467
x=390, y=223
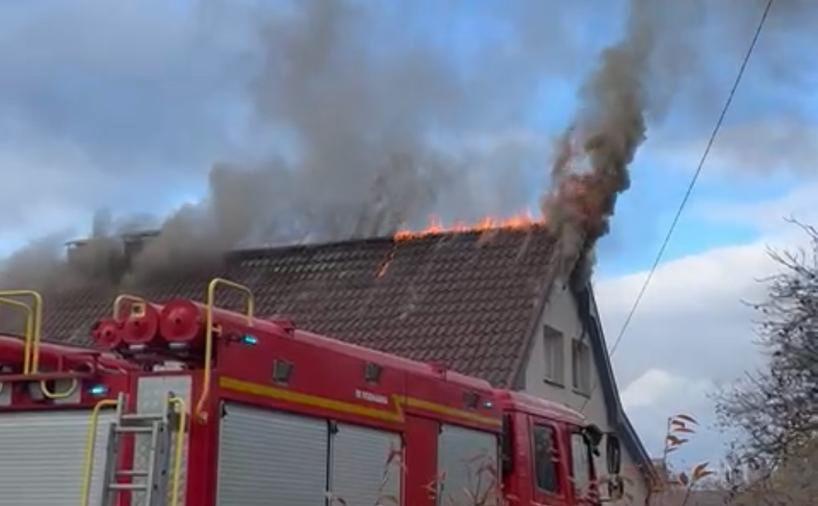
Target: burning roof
x=466, y=298
x=522, y=221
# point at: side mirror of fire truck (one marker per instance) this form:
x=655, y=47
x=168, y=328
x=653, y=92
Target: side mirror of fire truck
x=613, y=454
x=613, y=458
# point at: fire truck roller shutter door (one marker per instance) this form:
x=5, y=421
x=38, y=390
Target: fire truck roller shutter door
x=42, y=457
x=468, y=467
x=270, y=458
x=366, y=466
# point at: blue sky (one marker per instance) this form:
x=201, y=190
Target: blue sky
x=194, y=115
x=128, y=106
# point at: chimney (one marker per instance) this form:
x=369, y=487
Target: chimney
x=74, y=250
x=106, y=259
x=95, y=258
x=133, y=244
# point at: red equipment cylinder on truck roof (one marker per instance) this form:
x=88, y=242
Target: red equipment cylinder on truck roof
x=107, y=334
x=140, y=325
x=183, y=321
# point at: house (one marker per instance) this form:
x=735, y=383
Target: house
x=489, y=304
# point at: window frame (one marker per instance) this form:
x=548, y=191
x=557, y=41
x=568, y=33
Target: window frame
x=581, y=350
x=560, y=491
x=553, y=366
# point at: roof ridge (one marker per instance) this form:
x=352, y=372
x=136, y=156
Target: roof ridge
x=437, y=235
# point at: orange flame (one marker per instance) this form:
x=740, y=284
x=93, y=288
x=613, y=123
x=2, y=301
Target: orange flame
x=519, y=221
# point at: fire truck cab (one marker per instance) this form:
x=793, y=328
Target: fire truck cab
x=548, y=453
x=191, y=404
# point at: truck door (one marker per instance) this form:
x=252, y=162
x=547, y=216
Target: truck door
x=549, y=483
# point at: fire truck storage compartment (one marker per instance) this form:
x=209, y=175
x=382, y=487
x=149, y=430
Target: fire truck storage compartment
x=467, y=465
x=271, y=457
x=267, y=456
x=42, y=456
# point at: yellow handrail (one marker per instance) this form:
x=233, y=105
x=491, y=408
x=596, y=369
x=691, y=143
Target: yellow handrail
x=31, y=358
x=68, y=392
x=180, y=442
x=30, y=363
x=126, y=297
x=29, y=323
x=211, y=296
x=90, y=444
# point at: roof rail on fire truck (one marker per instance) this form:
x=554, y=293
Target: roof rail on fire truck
x=200, y=412
x=33, y=330
x=31, y=354
x=29, y=324
x=136, y=302
x=28, y=329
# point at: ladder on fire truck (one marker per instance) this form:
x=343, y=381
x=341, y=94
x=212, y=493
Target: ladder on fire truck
x=152, y=480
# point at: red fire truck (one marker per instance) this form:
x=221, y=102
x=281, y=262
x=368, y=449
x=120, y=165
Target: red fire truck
x=186, y=403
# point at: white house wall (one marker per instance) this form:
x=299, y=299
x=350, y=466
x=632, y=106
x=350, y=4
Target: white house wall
x=561, y=314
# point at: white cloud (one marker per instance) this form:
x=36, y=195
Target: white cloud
x=658, y=394
x=656, y=385
x=761, y=147
x=694, y=330
x=768, y=217
x=692, y=315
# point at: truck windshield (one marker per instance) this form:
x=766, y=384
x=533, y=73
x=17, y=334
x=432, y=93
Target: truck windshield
x=580, y=464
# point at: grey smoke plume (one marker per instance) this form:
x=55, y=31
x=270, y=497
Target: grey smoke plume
x=365, y=125
x=357, y=128
x=635, y=81
x=590, y=169
x=362, y=137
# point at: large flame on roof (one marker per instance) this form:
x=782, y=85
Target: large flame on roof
x=520, y=221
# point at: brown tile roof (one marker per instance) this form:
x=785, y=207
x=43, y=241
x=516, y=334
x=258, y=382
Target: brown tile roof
x=465, y=299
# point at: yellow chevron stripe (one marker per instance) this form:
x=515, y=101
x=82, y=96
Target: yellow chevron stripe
x=314, y=401
x=453, y=412
x=394, y=415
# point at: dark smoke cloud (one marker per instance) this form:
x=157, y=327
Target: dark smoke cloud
x=634, y=83
x=361, y=122
x=365, y=122
x=590, y=169
x=362, y=136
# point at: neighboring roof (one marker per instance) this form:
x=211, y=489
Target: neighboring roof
x=464, y=299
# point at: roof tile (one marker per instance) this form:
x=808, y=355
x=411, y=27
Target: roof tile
x=465, y=299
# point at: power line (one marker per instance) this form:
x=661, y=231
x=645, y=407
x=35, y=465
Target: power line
x=689, y=190
x=693, y=181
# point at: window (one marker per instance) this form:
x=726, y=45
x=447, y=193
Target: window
x=580, y=464
x=546, y=459
x=553, y=355
x=581, y=366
